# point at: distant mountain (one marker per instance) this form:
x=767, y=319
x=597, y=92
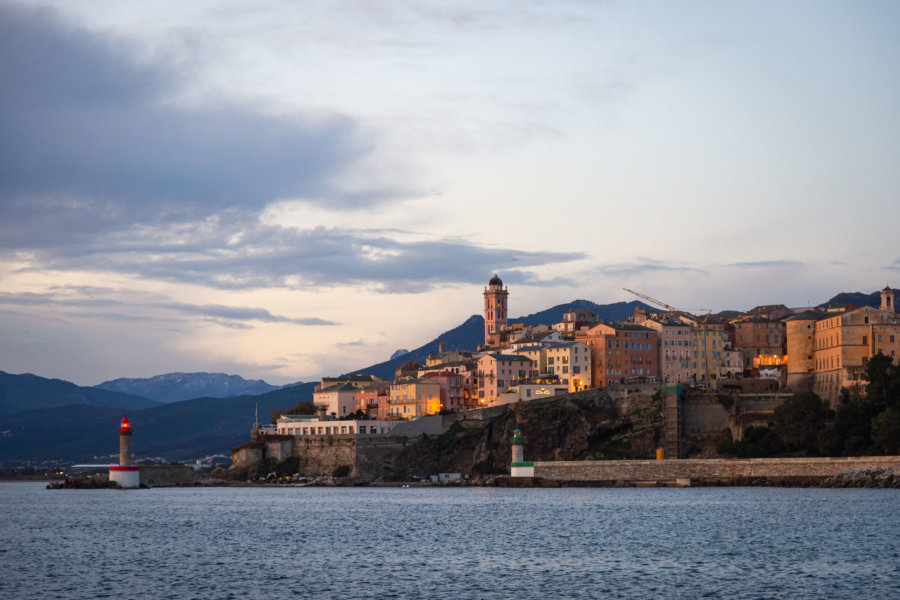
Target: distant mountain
x=464, y=338
x=28, y=392
x=174, y=387
x=617, y=311
x=856, y=298
x=399, y=353
x=180, y=431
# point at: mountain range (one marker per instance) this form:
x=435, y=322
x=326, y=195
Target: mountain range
x=175, y=387
x=82, y=424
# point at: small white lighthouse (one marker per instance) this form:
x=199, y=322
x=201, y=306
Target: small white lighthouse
x=125, y=474
x=518, y=467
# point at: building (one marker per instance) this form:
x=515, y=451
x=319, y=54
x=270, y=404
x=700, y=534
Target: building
x=313, y=425
x=531, y=391
x=844, y=344
x=570, y=362
x=495, y=311
x=621, y=352
x=759, y=339
x=708, y=342
x=497, y=372
x=674, y=354
x=575, y=319
x=800, y=335
x=373, y=400
x=338, y=400
x=455, y=395
x=413, y=398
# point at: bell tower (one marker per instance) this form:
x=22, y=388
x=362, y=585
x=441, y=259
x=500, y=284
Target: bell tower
x=887, y=300
x=495, y=296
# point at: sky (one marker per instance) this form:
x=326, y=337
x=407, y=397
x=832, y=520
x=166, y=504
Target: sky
x=286, y=190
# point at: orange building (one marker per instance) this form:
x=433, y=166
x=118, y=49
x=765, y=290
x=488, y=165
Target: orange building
x=621, y=352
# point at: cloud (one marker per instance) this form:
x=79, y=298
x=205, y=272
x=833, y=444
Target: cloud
x=233, y=254
x=101, y=172
x=93, y=142
x=230, y=316
x=766, y=264
x=642, y=265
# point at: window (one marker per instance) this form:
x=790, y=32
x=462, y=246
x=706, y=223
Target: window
x=865, y=339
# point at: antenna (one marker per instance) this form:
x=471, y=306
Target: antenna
x=257, y=414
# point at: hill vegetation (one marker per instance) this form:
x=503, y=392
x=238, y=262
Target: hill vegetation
x=30, y=392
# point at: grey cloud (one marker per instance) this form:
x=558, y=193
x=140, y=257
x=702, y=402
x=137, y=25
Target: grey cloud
x=767, y=264
x=90, y=144
x=230, y=316
x=236, y=313
x=642, y=266
x=271, y=256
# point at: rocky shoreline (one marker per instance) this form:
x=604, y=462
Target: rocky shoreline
x=864, y=478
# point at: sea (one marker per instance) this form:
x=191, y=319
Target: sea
x=448, y=542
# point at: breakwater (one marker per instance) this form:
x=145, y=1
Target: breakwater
x=711, y=471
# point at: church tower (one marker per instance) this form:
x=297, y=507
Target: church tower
x=494, y=311
x=887, y=300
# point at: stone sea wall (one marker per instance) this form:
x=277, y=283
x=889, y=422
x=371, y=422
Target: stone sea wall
x=710, y=469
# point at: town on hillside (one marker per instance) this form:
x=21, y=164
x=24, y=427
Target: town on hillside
x=793, y=349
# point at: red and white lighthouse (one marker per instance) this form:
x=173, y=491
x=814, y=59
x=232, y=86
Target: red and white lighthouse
x=125, y=474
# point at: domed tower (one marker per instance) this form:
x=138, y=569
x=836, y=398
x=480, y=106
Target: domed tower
x=494, y=311
x=125, y=474
x=887, y=300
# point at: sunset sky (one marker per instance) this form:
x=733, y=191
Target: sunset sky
x=286, y=190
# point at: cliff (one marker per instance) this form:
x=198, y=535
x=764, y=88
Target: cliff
x=585, y=426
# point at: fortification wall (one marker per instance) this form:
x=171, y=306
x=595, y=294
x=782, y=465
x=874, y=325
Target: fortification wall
x=279, y=447
x=703, y=414
x=375, y=455
x=709, y=469
x=320, y=454
x=248, y=456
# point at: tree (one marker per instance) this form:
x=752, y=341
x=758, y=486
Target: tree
x=799, y=420
x=884, y=382
x=886, y=431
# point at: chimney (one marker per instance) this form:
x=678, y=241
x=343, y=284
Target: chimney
x=440, y=346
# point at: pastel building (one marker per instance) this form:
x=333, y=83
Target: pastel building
x=759, y=339
x=674, y=355
x=413, y=398
x=844, y=344
x=621, y=352
x=497, y=372
x=338, y=400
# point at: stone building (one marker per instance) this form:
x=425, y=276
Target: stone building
x=495, y=311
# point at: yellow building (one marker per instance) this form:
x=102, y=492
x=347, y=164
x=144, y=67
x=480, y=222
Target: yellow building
x=843, y=345
x=414, y=398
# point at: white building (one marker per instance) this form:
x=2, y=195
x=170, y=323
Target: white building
x=312, y=425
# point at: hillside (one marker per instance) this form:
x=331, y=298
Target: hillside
x=855, y=298
x=174, y=387
x=29, y=392
x=181, y=431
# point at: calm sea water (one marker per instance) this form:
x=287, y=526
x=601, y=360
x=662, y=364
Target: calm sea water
x=448, y=543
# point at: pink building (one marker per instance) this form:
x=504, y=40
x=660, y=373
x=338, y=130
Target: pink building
x=496, y=372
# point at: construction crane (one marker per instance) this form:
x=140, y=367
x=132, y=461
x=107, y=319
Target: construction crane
x=664, y=305
x=707, y=354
